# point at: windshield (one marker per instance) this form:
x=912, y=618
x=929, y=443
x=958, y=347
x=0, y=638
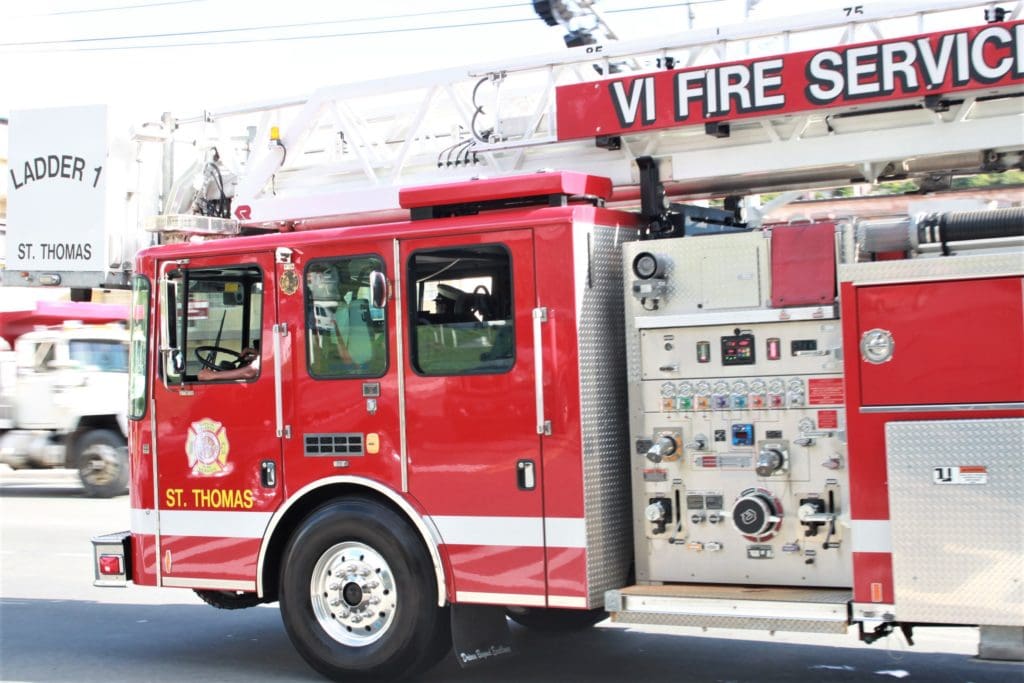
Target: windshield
x=106, y=356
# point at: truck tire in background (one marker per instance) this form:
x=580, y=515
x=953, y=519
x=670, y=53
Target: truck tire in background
x=101, y=457
x=358, y=595
x=229, y=599
x=555, y=620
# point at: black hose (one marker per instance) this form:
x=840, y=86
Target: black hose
x=957, y=226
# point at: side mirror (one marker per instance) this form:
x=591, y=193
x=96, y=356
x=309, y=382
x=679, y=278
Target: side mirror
x=378, y=289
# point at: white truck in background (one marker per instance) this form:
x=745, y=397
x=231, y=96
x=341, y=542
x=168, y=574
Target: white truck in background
x=62, y=404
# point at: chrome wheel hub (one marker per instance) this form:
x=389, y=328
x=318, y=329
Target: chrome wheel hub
x=353, y=593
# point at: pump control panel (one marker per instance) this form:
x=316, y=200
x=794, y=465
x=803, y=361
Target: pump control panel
x=737, y=417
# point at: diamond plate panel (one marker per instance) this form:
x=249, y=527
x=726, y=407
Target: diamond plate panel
x=710, y=606
x=604, y=427
x=704, y=621
x=957, y=548
x=908, y=270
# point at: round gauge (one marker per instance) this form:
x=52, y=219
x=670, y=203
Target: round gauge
x=795, y=384
x=668, y=389
x=721, y=388
x=739, y=387
x=703, y=387
x=806, y=424
x=758, y=386
x=776, y=386
x=685, y=389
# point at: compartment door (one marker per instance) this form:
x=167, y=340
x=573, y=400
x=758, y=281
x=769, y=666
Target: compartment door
x=474, y=454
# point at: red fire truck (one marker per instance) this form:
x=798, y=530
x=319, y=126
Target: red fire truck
x=516, y=396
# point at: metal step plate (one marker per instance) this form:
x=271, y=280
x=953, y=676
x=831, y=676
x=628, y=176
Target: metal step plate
x=815, y=610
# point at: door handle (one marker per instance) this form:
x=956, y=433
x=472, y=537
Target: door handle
x=278, y=332
x=526, y=475
x=540, y=315
x=268, y=474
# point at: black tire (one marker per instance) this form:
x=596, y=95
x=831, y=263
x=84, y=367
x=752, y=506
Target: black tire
x=229, y=599
x=555, y=620
x=102, y=461
x=344, y=556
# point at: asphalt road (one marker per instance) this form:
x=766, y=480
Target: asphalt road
x=55, y=626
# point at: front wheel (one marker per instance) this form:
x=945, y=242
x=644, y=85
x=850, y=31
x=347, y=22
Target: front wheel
x=358, y=595
x=102, y=461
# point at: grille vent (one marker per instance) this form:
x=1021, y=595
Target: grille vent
x=333, y=444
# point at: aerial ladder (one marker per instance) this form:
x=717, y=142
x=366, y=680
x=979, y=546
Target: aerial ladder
x=347, y=149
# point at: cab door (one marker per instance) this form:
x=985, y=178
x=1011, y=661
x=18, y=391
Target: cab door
x=218, y=440
x=474, y=453
x=343, y=407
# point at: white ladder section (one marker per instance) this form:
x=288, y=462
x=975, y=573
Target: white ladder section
x=349, y=148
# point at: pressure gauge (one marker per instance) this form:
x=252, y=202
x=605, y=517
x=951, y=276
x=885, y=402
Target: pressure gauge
x=739, y=387
x=758, y=386
x=776, y=386
x=721, y=388
x=703, y=387
x=668, y=390
x=685, y=389
x=795, y=384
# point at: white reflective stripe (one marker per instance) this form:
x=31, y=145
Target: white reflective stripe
x=514, y=531
x=870, y=536
x=524, y=532
x=566, y=601
x=565, y=532
x=144, y=522
x=216, y=584
x=500, y=598
x=213, y=524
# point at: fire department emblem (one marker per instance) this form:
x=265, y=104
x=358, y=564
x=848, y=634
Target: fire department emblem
x=289, y=281
x=207, y=447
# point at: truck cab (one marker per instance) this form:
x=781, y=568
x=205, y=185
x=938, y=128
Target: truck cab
x=62, y=394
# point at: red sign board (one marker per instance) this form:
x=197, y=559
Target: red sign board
x=825, y=391
x=828, y=419
x=982, y=57
x=198, y=309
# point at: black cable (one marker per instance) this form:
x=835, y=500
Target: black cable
x=256, y=28
x=476, y=24
x=144, y=5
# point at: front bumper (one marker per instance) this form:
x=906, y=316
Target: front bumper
x=112, y=559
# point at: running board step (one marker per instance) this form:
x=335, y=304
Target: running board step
x=816, y=610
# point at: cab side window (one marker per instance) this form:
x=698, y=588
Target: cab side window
x=462, y=311
x=346, y=335
x=217, y=314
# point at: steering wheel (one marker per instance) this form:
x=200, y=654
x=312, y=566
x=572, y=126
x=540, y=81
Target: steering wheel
x=211, y=352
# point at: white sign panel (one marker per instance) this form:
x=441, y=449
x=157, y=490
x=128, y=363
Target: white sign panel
x=964, y=474
x=56, y=189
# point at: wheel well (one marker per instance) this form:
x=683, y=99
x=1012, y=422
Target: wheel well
x=86, y=424
x=299, y=510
